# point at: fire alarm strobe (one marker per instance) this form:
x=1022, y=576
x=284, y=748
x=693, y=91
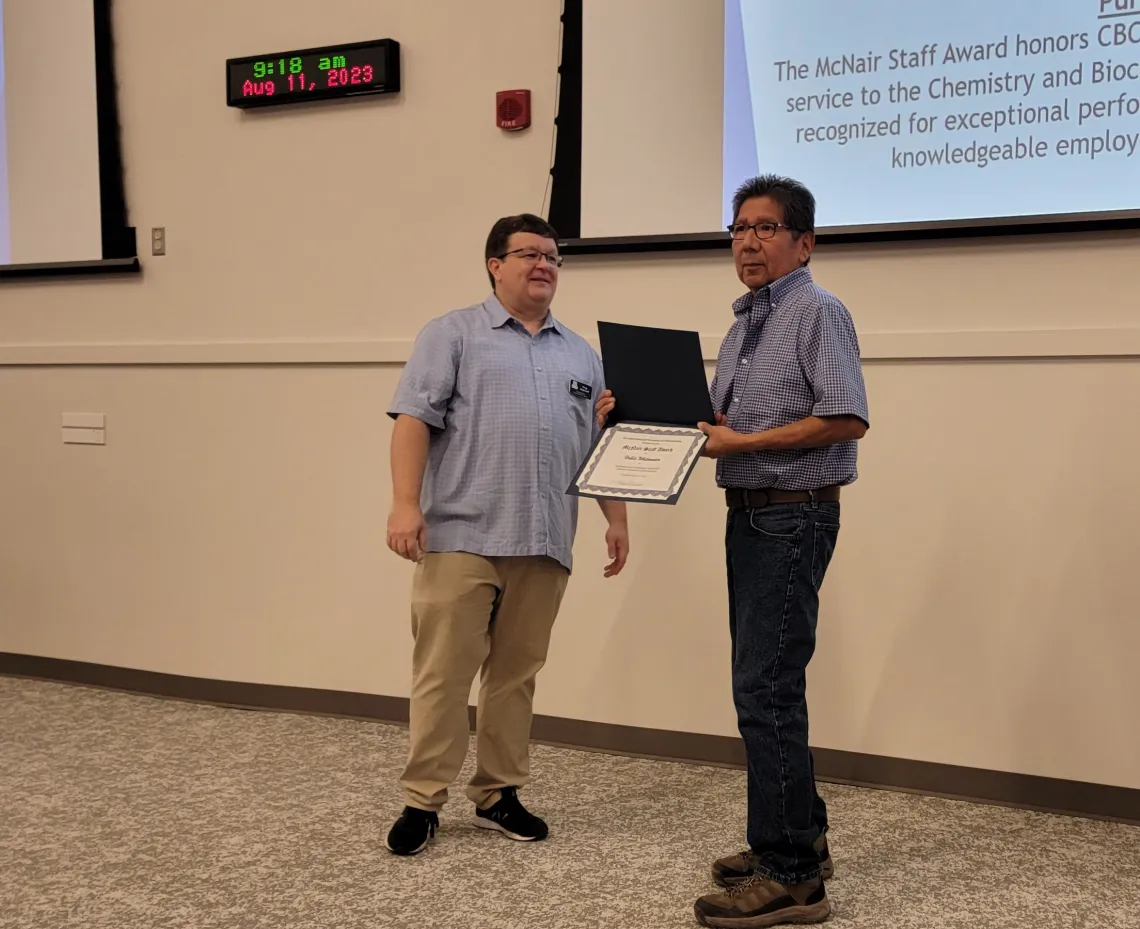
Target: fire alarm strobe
x=512, y=110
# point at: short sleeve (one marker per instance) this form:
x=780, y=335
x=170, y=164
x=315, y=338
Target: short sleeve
x=599, y=374
x=428, y=379
x=829, y=350
x=600, y=381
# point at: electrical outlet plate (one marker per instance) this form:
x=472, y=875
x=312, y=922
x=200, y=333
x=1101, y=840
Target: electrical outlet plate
x=158, y=240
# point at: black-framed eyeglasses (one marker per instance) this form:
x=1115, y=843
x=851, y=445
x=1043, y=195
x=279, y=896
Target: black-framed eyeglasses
x=763, y=230
x=534, y=256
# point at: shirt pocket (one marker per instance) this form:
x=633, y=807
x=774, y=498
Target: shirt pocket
x=784, y=389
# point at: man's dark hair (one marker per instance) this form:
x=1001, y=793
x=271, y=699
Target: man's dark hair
x=796, y=201
x=506, y=227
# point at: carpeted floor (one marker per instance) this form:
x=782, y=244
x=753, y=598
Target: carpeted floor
x=124, y=812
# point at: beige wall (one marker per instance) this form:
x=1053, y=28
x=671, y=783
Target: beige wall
x=982, y=605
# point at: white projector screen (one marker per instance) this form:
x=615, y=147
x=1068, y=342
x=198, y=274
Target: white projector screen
x=51, y=208
x=896, y=114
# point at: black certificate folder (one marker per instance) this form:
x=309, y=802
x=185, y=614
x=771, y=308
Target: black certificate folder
x=656, y=375
x=651, y=443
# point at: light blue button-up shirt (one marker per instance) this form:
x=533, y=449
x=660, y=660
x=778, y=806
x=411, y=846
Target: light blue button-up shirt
x=512, y=419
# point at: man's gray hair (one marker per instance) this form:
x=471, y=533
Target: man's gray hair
x=796, y=201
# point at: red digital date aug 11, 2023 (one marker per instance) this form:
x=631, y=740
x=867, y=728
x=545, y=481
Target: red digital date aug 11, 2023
x=296, y=83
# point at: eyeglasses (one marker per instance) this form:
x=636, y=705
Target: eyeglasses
x=762, y=230
x=534, y=257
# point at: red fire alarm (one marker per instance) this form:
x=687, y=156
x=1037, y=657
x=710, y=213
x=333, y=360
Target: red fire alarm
x=512, y=110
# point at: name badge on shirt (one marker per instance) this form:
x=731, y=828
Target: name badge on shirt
x=578, y=389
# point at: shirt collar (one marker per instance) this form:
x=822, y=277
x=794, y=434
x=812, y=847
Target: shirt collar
x=499, y=316
x=775, y=292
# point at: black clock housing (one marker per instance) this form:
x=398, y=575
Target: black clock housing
x=310, y=74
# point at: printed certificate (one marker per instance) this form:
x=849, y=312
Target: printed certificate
x=640, y=462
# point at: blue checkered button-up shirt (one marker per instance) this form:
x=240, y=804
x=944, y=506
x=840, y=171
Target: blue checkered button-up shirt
x=791, y=353
x=512, y=419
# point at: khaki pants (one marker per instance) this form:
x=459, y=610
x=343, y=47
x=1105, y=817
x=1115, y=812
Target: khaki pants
x=471, y=612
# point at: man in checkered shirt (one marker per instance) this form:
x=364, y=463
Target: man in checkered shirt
x=790, y=406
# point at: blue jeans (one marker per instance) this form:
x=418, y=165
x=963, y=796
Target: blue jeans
x=777, y=557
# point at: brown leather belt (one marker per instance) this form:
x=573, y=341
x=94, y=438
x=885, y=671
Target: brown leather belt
x=738, y=498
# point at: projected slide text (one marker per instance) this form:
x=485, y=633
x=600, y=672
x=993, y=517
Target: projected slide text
x=913, y=98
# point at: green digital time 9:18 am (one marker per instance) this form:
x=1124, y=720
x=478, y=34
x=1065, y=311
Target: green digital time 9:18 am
x=296, y=65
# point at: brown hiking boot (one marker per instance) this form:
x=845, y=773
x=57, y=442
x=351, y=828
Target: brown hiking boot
x=736, y=869
x=757, y=904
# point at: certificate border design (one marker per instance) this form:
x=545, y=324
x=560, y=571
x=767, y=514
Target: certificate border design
x=581, y=486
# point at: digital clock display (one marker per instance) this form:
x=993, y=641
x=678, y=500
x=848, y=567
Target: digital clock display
x=314, y=74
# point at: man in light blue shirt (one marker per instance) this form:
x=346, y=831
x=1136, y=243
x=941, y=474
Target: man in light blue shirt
x=494, y=416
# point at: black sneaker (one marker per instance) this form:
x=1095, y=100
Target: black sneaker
x=511, y=818
x=412, y=831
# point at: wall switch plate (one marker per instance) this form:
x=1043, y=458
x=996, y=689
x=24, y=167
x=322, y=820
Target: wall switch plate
x=84, y=420
x=72, y=436
x=158, y=240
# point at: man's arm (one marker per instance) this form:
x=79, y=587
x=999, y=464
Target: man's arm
x=617, y=536
x=419, y=405
x=617, y=531
x=407, y=531
x=812, y=432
